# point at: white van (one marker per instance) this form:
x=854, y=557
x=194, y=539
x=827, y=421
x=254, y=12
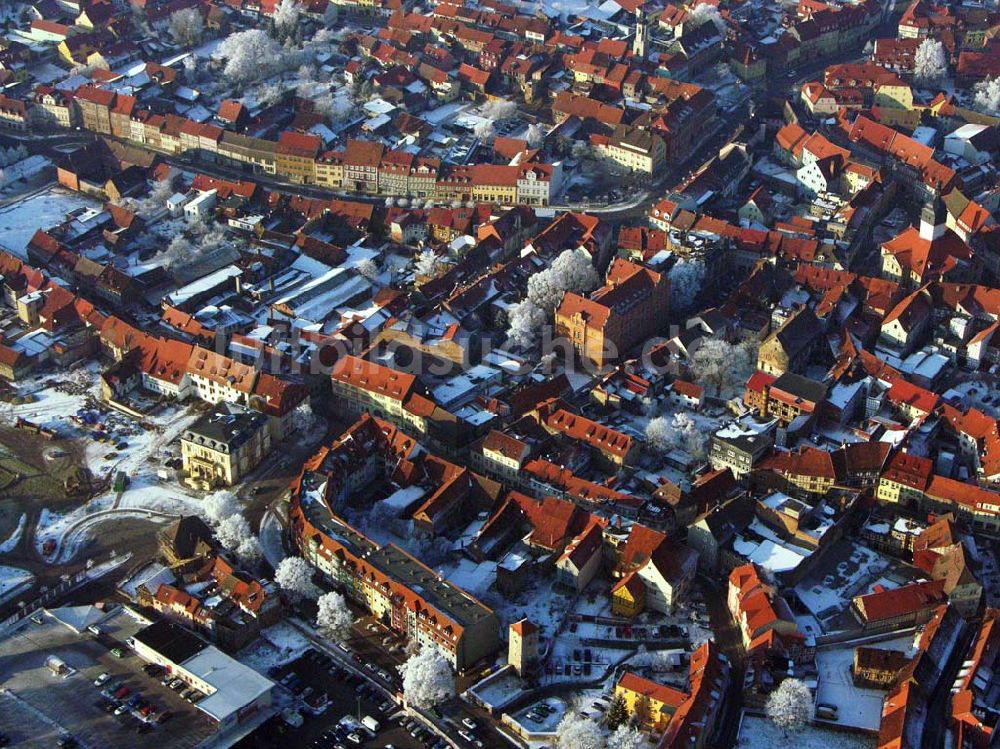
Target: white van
x=370, y=723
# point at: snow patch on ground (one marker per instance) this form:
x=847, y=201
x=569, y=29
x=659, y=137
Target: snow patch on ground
x=13, y=580
x=12, y=541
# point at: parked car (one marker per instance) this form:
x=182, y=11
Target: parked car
x=117, y=652
x=101, y=679
x=469, y=723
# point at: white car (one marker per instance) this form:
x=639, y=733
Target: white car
x=469, y=723
x=354, y=738
x=101, y=679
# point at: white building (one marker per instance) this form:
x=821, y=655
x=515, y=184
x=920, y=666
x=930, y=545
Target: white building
x=234, y=693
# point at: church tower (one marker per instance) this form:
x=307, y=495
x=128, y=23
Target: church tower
x=933, y=219
x=639, y=43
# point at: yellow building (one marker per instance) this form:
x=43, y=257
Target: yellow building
x=652, y=704
x=635, y=149
x=628, y=596
x=224, y=445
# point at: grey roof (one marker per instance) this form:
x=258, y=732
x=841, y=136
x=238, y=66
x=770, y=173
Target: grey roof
x=801, y=387
x=227, y=425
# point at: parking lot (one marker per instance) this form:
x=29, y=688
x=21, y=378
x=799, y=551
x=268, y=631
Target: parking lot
x=337, y=709
x=70, y=704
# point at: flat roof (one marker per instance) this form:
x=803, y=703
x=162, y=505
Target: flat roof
x=171, y=641
x=235, y=685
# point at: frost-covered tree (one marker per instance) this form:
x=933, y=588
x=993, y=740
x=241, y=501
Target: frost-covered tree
x=333, y=617
x=294, y=575
x=178, y=252
x=231, y=530
x=234, y=534
x=249, y=55
x=660, y=435
x=524, y=320
x=703, y=13
x=499, y=109
x=187, y=26
x=987, y=98
x=719, y=362
x=190, y=64
x=577, y=732
x=790, y=705
x=535, y=135
x=573, y=270
x=626, y=737
x=156, y=200
x=368, y=269
x=427, y=678
x=218, y=506
x=930, y=64
x=427, y=264
x=485, y=131
x=286, y=15
x=686, y=278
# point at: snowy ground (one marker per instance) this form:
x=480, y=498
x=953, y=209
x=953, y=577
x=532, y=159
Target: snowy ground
x=276, y=645
x=57, y=398
x=856, y=707
x=12, y=541
x=51, y=405
x=761, y=733
x=13, y=580
x=539, y=601
x=270, y=539
x=41, y=210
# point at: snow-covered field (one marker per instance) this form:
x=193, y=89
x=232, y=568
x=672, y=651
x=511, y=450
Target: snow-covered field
x=43, y=209
x=13, y=580
x=761, y=733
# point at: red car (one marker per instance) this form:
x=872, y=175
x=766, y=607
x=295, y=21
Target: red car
x=122, y=693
